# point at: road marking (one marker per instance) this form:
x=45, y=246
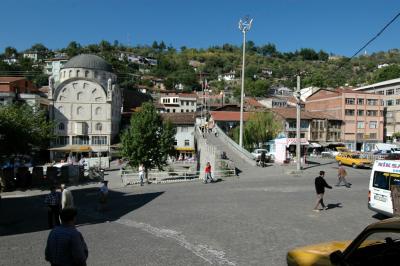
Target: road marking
x=205, y=252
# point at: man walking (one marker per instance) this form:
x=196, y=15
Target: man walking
x=103, y=196
x=341, y=176
x=320, y=185
x=141, y=173
x=65, y=244
x=53, y=202
x=67, y=201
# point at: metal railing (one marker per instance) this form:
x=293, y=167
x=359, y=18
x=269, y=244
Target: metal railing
x=129, y=177
x=242, y=152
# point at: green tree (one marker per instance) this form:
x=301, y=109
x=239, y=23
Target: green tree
x=10, y=51
x=39, y=48
x=386, y=73
x=22, y=129
x=259, y=128
x=73, y=49
x=149, y=139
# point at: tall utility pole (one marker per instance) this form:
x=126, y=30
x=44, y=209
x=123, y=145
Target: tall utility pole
x=244, y=26
x=298, y=147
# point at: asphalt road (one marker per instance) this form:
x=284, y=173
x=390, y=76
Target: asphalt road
x=251, y=220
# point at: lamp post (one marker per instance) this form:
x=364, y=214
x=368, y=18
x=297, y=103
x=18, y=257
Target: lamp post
x=222, y=98
x=244, y=26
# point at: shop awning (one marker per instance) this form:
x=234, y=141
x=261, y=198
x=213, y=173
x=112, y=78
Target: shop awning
x=72, y=148
x=293, y=141
x=314, y=145
x=184, y=149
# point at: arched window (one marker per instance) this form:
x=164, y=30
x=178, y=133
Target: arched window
x=99, y=126
x=77, y=73
x=86, y=73
x=61, y=126
x=79, y=96
x=70, y=73
x=79, y=110
x=98, y=111
x=96, y=74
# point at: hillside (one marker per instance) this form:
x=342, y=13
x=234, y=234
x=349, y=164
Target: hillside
x=265, y=66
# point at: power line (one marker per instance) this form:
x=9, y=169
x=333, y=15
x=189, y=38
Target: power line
x=371, y=40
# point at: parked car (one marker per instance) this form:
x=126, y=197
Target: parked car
x=377, y=244
x=257, y=154
x=354, y=160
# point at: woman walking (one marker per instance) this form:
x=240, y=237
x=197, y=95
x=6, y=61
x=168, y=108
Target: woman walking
x=207, y=172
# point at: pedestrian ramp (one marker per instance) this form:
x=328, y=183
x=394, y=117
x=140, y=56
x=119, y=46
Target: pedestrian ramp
x=240, y=156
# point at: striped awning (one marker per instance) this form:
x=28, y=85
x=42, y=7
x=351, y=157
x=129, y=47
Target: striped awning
x=293, y=141
x=184, y=149
x=72, y=148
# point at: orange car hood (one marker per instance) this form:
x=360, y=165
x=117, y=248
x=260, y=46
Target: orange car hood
x=315, y=254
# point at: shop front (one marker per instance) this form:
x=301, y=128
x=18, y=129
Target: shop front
x=285, y=149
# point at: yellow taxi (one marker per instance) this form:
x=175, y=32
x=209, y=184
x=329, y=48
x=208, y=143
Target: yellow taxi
x=378, y=244
x=353, y=159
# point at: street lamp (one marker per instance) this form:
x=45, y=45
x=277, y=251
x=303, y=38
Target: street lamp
x=244, y=26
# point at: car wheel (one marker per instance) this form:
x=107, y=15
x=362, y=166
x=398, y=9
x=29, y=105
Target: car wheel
x=354, y=165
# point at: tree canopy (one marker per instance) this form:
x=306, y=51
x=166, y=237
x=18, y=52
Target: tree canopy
x=259, y=128
x=23, y=129
x=149, y=139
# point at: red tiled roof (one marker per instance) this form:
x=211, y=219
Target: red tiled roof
x=253, y=103
x=180, y=118
x=183, y=95
x=10, y=79
x=291, y=113
x=229, y=116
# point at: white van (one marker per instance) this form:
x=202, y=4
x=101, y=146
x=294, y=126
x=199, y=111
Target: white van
x=384, y=188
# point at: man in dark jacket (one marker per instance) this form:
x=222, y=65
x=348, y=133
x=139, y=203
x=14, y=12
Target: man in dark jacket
x=320, y=185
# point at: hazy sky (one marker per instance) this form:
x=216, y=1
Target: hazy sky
x=336, y=26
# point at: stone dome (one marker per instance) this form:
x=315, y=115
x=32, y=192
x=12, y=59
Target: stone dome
x=89, y=61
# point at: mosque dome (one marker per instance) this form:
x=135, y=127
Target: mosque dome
x=88, y=61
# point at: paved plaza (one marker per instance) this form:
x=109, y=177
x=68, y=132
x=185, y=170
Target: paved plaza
x=250, y=220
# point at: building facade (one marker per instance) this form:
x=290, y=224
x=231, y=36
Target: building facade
x=361, y=113
x=390, y=91
x=179, y=103
x=184, y=124
x=85, y=105
x=11, y=89
x=53, y=67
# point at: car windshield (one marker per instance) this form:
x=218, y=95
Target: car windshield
x=379, y=248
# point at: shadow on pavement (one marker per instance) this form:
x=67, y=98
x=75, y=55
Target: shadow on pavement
x=29, y=214
x=334, y=205
x=315, y=164
x=379, y=216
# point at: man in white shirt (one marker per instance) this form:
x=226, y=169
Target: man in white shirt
x=67, y=201
x=103, y=195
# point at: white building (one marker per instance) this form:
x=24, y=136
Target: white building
x=184, y=136
x=179, y=103
x=227, y=76
x=31, y=55
x=85, y=105
x=53, y=67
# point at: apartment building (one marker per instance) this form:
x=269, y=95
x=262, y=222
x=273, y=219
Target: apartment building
x=390, y=91
x=361, y=113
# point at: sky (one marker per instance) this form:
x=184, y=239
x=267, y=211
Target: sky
x=339, y=27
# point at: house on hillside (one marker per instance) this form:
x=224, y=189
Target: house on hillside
x=19, y=89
